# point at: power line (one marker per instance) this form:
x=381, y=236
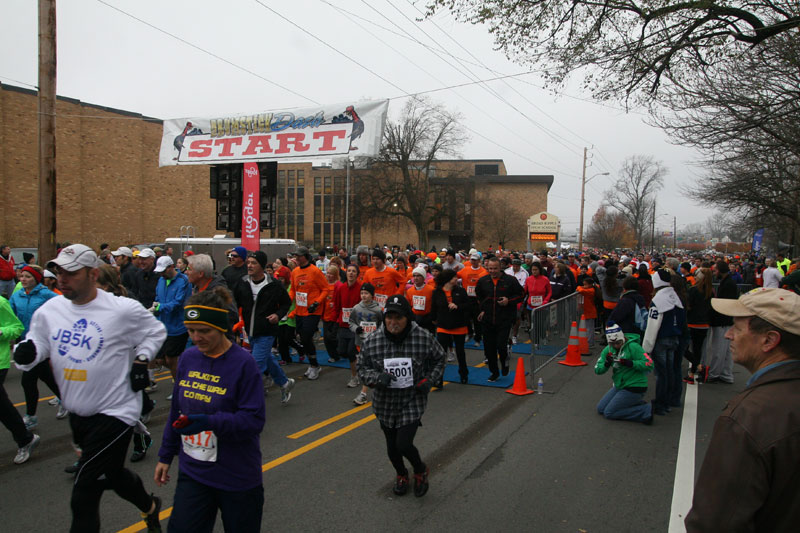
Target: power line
x=21, y=82
x=212, y=54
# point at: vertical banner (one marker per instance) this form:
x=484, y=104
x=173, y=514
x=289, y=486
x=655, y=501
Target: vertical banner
x=758, y=237
x=251, y=232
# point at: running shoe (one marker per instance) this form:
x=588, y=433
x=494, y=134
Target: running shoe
x=74, y=467
x=353, y=383
x=401, y=485
x=421, y=483
x=138, y=455
x=513, y=339
x=54, y=401
x=152, y=387
x=505, y=368
x=689, y=380
x=24, y=453
x=62, y=412
x=493, y=377
x=313, y=372
x=31, y=421
x=308, y=371
x=268, y=382
x=169, y=398
x=286, y=391
x=361, y=399
x=451, y=356
x=152, y=520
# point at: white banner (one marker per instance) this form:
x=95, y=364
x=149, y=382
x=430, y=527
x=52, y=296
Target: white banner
x=306, y=134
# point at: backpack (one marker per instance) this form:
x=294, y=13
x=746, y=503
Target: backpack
x=640, y=316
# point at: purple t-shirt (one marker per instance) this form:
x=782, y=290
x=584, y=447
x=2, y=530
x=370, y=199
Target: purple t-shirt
x=229, y=390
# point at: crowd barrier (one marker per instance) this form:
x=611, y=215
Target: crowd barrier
x=742, y=287
x=550, y=328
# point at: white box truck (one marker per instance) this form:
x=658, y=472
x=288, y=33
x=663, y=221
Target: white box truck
x=217, y=245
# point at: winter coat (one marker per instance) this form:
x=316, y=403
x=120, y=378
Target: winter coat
x=25, y=304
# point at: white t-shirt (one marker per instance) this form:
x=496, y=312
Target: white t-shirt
x=521, y=276
x=91, y=348
x=772, y=277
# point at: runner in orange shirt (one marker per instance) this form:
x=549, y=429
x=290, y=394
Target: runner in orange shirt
x=362, y=262
x=308, y=290
x=419, y=295
x=387, y=281
x=469, y=276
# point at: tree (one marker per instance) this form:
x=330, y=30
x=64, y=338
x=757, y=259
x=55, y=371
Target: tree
x=501, y=223
x=610, y=229
x=400, y=181
x=633, y=194
x=634, y=44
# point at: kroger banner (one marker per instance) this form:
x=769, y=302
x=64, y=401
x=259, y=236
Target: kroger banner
x=313, y=133
x=758, y=238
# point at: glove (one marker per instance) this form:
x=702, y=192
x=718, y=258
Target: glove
x=626, y=362
x=313, y=307
x=139, y=376
x=194, y=424
x=609, y=360
x=238, y=326
x=384, y=379
x=181, y=422
x=423, y=385
x=359, y=330
x=25, y=353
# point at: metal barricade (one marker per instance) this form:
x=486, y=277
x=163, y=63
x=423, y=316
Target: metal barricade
x=742, y=287
x=550, y=329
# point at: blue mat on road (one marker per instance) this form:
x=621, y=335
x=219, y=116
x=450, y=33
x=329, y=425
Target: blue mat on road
x=522, y=349
x=477, y=375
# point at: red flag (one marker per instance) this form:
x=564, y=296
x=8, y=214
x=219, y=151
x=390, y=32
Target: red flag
x=251, y=234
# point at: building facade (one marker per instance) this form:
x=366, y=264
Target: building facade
x=111, y=189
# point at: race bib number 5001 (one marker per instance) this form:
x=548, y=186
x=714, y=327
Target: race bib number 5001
x=401, y=369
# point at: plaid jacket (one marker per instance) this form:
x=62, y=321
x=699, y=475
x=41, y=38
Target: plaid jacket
x=399, y=407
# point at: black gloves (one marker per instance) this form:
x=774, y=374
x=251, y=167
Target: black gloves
x=423, y=385
x=313, y=307
x=626, y=362
x=609, y=360
x=359, y=330
x=140, y=379
x=384, y=379
x=25, y=352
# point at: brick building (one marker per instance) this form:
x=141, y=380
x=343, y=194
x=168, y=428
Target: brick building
x=111, y=189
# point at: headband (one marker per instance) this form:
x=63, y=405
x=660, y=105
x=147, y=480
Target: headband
x=33, y=272
x=209, y=316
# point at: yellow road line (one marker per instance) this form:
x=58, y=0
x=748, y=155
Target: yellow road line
x=166, y=513
x=327, y=422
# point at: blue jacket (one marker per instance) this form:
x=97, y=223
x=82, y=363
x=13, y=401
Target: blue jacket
x=171, y=298
x=24, y=304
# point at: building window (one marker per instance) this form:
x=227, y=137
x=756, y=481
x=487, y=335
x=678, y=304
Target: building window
x=487, y=170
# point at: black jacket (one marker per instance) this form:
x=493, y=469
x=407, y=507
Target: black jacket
x=232, y=274
x=727, y=289
x=272, y=298
x=699, y=308
x=488, y=293
x=127, y=276
x=144, y=287
x=443, y=315
x=624, y=314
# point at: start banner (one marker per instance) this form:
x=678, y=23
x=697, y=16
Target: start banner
x=322, y=132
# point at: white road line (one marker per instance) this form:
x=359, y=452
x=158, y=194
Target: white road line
x=683, y=488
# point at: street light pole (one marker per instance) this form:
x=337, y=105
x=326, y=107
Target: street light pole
x=584, y=181
x=347, y=208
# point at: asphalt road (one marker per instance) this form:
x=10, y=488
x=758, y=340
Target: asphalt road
x=498, y=462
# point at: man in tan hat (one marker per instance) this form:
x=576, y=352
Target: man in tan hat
x=749, y=478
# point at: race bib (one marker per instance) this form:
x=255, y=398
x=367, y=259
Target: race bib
x=381, y=299
x=536, y=301
x=302, y=299
x=346, y=314
x=401, y=369
x=201, y=446
x=369, y=327
x=471, y=290
x=419, y=303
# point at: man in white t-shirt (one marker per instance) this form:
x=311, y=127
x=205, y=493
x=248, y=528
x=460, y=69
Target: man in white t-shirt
x=99, y=346
x=771, y=275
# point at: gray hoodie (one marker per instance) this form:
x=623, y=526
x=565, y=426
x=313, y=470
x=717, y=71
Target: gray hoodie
x=368, y=316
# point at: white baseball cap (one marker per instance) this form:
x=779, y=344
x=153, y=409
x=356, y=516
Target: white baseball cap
x=122, y=250
x=147, y=252
x=74, y=257
x=163, y=263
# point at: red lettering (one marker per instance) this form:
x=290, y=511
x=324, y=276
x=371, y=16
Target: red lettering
x=227, y=144
x=328, y=137
x=287, y=139
x=200, y=148
x=260, y=142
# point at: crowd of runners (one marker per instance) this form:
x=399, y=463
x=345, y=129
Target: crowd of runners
x=96, y=326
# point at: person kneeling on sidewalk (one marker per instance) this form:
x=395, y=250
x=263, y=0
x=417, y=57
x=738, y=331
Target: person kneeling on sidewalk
x=631, y=364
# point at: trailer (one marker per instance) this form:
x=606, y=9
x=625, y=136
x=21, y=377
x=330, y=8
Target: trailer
x=218, y=245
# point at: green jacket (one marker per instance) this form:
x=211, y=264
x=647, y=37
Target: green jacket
x=289, y=320
x=10, y=329
x=792, y=280
x=627, y=376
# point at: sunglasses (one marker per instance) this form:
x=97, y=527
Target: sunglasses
x=232, y=256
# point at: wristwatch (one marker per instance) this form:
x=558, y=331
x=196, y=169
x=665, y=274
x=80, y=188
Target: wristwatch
x=141, y=359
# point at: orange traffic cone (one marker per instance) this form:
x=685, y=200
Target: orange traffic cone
x=520, y=387
x=583, y=337
x=573, y=350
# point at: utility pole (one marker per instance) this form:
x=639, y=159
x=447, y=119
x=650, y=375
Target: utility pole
x=583, y=191
x=674, y=233
x=653, y=231
x=47, y=130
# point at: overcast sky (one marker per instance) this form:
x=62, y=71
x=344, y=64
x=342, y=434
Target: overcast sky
x=303, y=51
